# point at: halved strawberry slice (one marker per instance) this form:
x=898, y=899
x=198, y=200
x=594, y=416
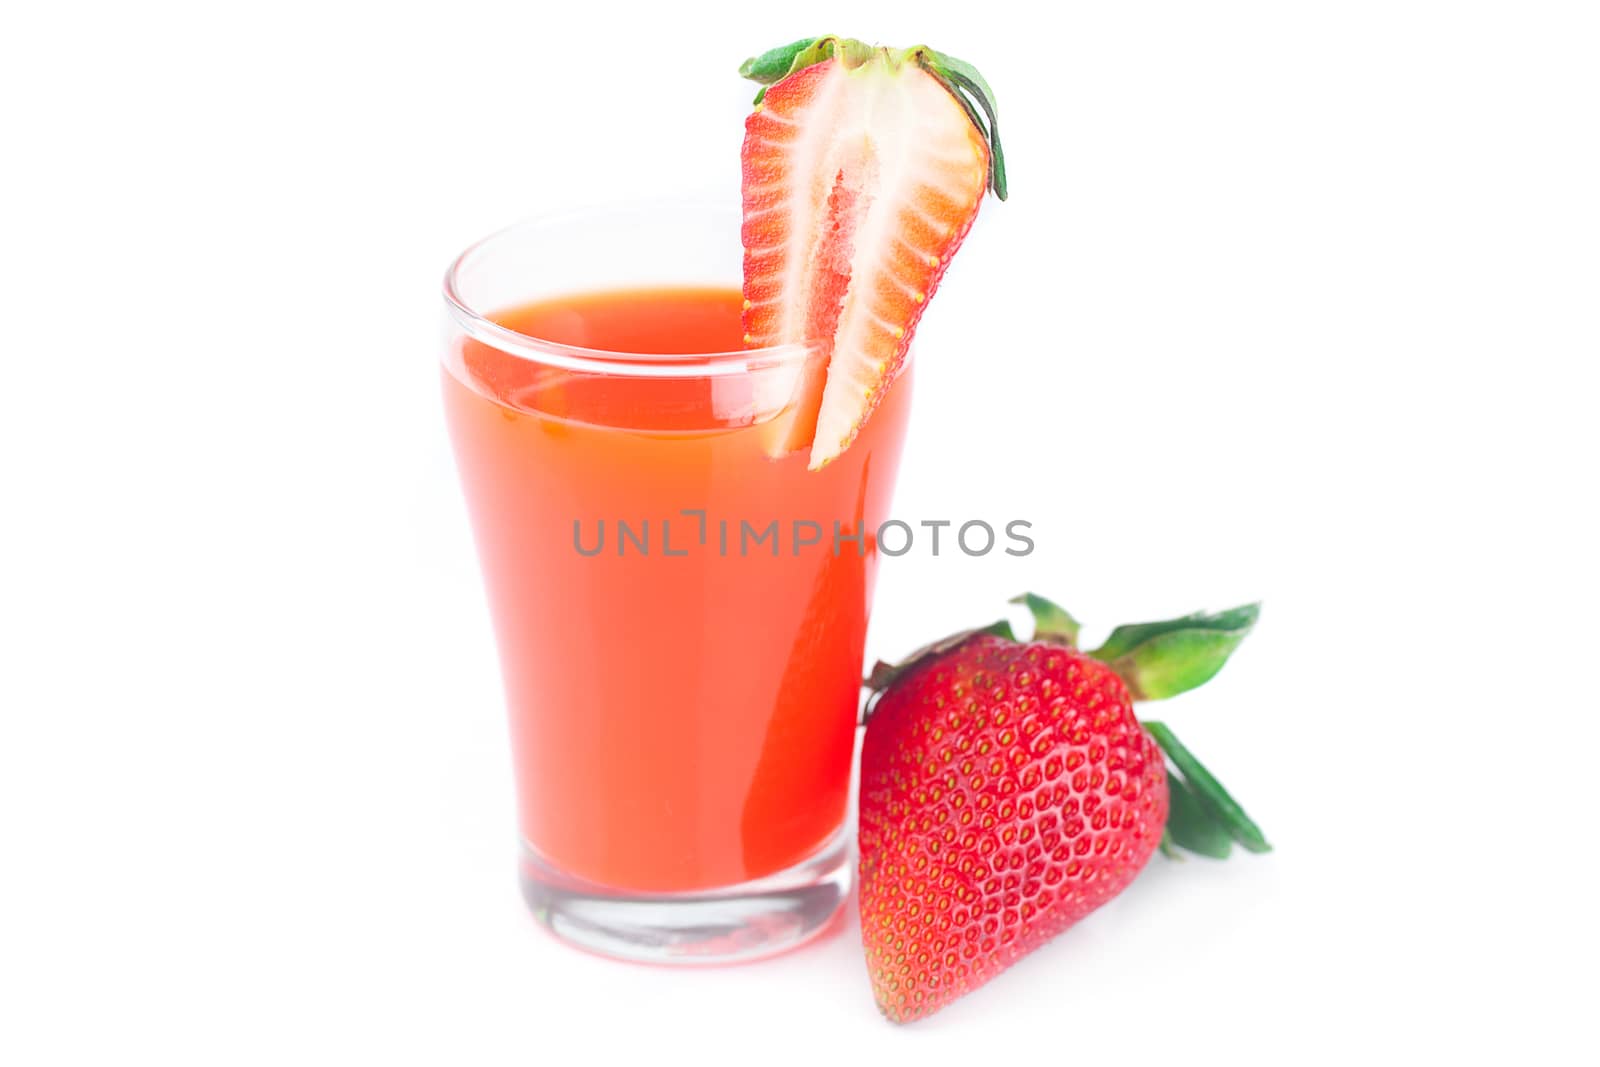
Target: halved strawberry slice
x=863, y=170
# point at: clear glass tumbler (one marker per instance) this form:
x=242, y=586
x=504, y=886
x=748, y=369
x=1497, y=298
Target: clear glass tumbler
x=680, y=603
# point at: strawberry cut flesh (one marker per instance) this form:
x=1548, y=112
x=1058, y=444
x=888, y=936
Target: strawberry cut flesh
x=859, y=184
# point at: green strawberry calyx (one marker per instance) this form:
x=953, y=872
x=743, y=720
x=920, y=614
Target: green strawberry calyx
x=1156, y=660
x=959, y=77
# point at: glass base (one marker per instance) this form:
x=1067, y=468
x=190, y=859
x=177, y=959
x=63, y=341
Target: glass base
x=734, y=924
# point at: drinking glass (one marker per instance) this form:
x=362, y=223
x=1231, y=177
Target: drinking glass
x=680, y=604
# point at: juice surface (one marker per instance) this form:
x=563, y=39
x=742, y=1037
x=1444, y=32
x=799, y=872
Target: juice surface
x=683, y=697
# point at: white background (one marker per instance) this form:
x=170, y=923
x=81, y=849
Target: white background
x=1290, y=301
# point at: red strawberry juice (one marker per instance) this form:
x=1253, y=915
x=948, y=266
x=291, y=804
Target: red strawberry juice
x=681, y=651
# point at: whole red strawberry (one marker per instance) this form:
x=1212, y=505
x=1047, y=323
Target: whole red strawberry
x=1008, y=790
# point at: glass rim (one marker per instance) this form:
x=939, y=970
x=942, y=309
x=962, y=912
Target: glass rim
x=477, y=325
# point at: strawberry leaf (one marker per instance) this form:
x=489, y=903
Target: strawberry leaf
x=1163, y=659
x=1208, y=792
x=1124, y=638
x=1051, y=621
x=775, y=64
x=968, y=86
x=1191, y=825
